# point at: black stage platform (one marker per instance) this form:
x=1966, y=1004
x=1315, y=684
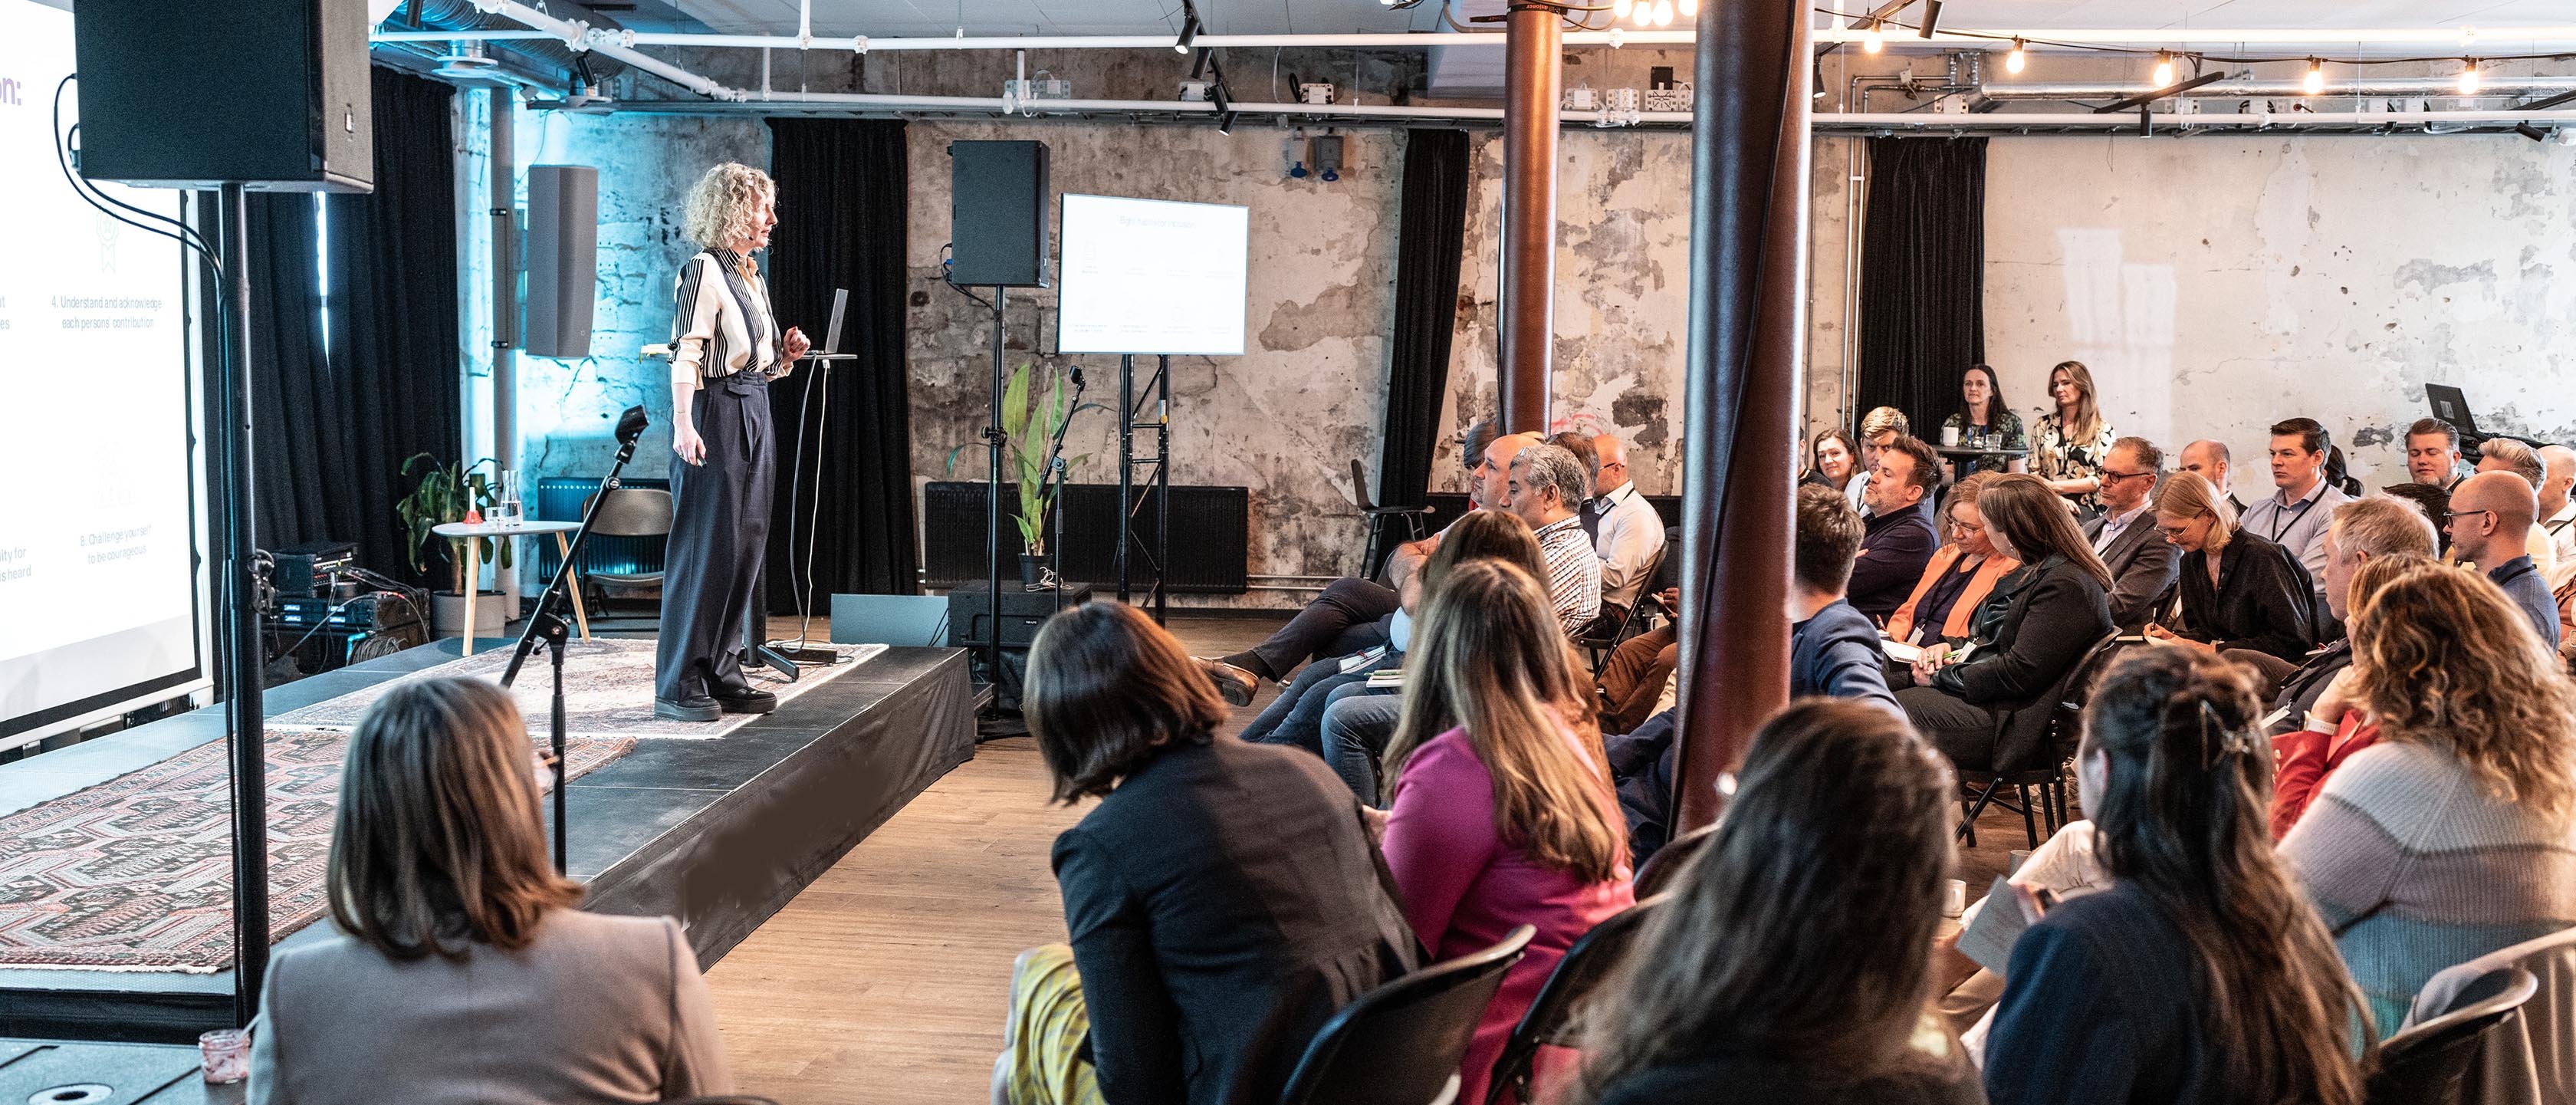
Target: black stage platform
x=718, y=833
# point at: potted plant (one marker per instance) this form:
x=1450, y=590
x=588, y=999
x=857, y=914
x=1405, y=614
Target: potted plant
x=1032, y=439
x=452, y=493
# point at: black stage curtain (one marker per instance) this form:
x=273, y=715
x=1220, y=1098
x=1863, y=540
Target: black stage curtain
x=1431, y=233
x=842, y=197
x=334, y=426
x=1922, y=277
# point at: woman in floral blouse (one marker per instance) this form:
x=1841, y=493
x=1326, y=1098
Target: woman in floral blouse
x=1983, y=413
x=2074, y=440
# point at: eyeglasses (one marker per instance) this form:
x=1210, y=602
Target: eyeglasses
x=2109, y=475
x=2448, y=515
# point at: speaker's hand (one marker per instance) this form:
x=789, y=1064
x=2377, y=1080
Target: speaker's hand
x=797, y=344
x=686, y=442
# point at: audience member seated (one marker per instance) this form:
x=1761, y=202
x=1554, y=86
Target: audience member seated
x=2507, y=455
x=1833, y=652
x=2198, y=975
x=1296, y=716
x=1880, y=427
x=1957, y=578
x=2490, y=518
x=1987, y=706
x=1625, y=530
x=2294, y=516
x=2433, y=453
x=1541, y=487
x=1579, y=446
x=1637, y=669
x=1501, y=812
x=2433, y=503
x=2455, y=834
x=461, y=971
x=2209, y=459
x=1984, y=414
x=2328, y=727
x=2143, y=564
x=2073, y=440
x=1764, y=980
x=1348, y=616
x=2363, y=531
x=1900, y=538
x=1834, y=461
x=2238, y=595
x=2558, y=511
x=1223, y=898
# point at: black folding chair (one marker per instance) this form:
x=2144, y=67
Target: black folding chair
x=1657, y=875
x=1606, y=633
x=1981, y=788
x=1377, y=516
x=1555, y=1015
x=1401, y=1043
x=2429, y=1063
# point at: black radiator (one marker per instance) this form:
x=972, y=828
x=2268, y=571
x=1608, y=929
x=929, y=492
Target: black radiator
x=559, y=499
x=1209, y=548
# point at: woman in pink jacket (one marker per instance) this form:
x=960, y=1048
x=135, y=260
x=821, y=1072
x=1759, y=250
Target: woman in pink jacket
x=1502, y=811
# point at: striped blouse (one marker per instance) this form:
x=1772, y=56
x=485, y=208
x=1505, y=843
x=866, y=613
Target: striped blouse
x=720, y=320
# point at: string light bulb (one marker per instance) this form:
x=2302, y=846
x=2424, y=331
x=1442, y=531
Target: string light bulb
x=2469, y=78
x=2017, y=58
x=1690, y=9
x=1619, y=8
x=1874, y=39
x=1643, y=13
x=1663, y=13
x=2164, y=70
x=2315, y=81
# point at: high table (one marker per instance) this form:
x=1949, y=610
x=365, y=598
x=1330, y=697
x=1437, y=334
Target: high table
x=474, y=564
x=1964, y=457
x=79, y=1073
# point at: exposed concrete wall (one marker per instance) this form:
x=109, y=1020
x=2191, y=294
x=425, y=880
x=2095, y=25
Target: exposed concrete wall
x=2216, y=285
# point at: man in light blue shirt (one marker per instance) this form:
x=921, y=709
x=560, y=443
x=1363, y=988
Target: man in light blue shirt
x=2295, y=515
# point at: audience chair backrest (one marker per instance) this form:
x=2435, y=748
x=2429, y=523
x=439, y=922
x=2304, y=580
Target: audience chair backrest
x=1657, y=875
x=1401, y=1043
x=2531, y=1060
x=2068, y=722
x=632, y=512
x=1555, y=1015
x=2429, y=1063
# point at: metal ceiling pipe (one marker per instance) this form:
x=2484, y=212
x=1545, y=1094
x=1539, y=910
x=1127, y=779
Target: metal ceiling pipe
x=2490, y=87
x=607, y=43
x=2330, y=39
x=448, y=21
x=1533, y=94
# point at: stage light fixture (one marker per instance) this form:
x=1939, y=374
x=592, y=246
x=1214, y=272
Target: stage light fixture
x=1189, y=34
x=1663, y=13
x=1225, y=123
x=1619, y=9
x=2531, y=132
x=2315, y=81
x=2164, y=70
x=2469, y=78
x=2019, y=57
x=1198, y=65
x=1874, y=39
x=1931, y=23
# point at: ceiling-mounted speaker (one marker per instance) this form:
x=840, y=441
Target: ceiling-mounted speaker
x=270, y=94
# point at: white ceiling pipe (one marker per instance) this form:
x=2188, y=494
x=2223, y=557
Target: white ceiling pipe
x=2282, y=86
x=460, y=36
x=580, y=36
x=1899, y=121
x=2447, y=39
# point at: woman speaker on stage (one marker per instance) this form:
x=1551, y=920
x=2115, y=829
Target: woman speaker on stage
x=726, y=348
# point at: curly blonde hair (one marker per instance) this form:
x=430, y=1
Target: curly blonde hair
x=2445, y=660
x=721, y=203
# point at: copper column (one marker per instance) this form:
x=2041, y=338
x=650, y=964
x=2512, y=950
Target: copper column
x=1747, y=337
x=1533, y=71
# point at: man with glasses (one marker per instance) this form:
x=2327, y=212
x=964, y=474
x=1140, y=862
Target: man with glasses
x=2295, y=516
x=2142, y=564
x=1626, y=531
x=2490, y=517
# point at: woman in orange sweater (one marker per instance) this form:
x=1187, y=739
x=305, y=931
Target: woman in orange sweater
x=1957, y=578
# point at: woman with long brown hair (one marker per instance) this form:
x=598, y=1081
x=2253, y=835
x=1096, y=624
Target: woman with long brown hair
x=1986, y=705
x=2455, y=834
x=1958, y=577
x=461, y=971
x=1792, y=964
x=1501, y=812
x=2200, y=976
x=2072, y=442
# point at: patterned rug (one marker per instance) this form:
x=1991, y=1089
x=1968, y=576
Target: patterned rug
x=608, y=691
x=135, y=874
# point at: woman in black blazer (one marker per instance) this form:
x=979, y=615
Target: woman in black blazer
x=2237, y=592
x=1224, y=898
x=1988, y=710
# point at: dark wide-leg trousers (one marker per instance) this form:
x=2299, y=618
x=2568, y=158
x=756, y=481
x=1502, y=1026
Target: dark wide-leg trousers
x=1341, y=621
x=719, y=533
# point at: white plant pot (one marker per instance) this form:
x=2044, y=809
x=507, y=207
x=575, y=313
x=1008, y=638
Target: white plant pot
x=447, y=613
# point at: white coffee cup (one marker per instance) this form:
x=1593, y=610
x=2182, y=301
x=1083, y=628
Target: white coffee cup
x=1950, y=435
x=1954, y=897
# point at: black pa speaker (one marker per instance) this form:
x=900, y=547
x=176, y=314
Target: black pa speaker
x=563, y=258
x=272, y=94
x=997, y=225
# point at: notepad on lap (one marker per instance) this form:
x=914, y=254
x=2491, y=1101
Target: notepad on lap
x=1900, y=652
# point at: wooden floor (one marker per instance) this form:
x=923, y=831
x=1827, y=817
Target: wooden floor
x=885, y=982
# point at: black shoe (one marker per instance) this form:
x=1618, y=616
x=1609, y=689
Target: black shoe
x=748, y=700
x=698, y=708
x=1234, y=684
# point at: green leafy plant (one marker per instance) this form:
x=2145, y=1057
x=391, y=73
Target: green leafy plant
x=1031, y=418
x=447, y=493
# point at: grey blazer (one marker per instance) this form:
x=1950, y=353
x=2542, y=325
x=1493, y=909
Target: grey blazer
x=598, y=1009
x=2143, y=564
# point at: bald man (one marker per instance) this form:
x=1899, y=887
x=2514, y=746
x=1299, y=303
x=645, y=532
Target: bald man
x=1356, y=614
x=2490, y=519
x=1626, y=532
x=2558, y=511
x=2209, y=458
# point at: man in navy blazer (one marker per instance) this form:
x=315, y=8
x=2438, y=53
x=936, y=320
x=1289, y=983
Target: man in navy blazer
x=1897, y=540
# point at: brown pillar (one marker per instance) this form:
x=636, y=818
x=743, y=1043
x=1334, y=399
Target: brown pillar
x=1533, y=70
x=1747, y=280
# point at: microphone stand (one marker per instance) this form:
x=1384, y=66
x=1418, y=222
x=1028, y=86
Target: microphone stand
x=549, y=625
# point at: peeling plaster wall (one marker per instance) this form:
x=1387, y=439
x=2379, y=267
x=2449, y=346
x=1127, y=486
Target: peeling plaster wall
x=2216, y=285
